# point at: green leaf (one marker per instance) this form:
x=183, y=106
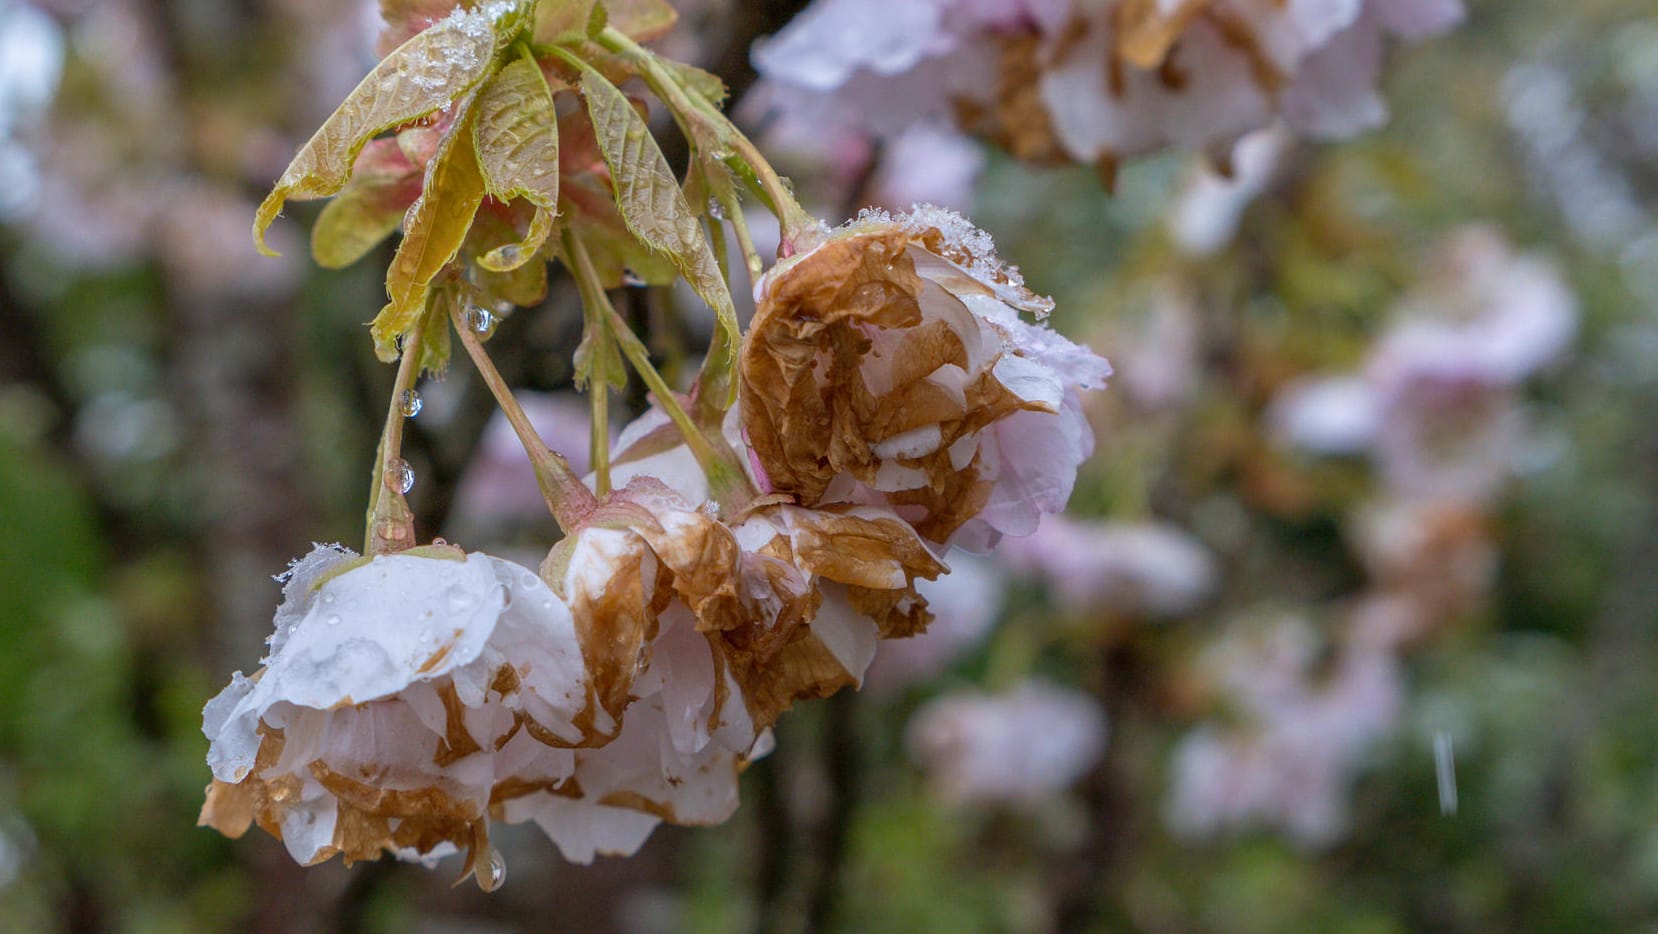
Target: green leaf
x=517, y=136
x=517, y=144
x=434, y=334
x=366, y=211
x=597, y=20
x=495, y=234
x=652, y=204
x=706, y=84
x=422, y=75
x=559, y=21
x=438, y=224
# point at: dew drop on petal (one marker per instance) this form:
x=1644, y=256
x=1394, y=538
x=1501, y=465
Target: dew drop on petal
x=633, y=279
x=410, y=403
x=333, y=619
x=328, y=598
x=400, y=476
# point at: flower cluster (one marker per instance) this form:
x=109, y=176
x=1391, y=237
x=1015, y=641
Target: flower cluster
x=1095, y=82
x=735, y=550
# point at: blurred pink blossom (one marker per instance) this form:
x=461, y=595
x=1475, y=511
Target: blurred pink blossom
x=1013, y=748
x=1140, y=569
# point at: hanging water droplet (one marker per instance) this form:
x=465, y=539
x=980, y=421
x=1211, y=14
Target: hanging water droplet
x=716, y=210
x=333, y=619
x=496, y=872
x=399, y=475
x=410, y=403
x=480, y=321
x=632, y=279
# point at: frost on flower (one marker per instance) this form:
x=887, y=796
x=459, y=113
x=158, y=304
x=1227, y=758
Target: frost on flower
x=1017, y=747
x=803, y=595
x=401, y=694
x=891, y=365
x=1096, y=82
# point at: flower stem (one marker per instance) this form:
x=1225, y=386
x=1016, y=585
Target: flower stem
x=726, y=479
x=569, y=500
x=707, y=127
x=390, y=522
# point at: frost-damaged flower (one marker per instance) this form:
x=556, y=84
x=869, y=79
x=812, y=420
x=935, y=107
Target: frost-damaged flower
x=1098, y=81
x=814, y=590
x=1015, y=747
x=399, y=695
x=891, y=365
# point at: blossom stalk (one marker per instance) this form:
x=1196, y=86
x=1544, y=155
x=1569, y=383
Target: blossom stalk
x=567, y=497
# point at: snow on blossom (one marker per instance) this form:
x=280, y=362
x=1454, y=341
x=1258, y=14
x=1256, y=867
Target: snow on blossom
x=891, y=365
x=1100, y=81
x=1138, y=569
x=1014, y=748
x=382, y=718
x=1434, y=402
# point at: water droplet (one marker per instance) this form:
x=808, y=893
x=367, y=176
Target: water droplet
x=410, y=403
x=327, y=598
x=480, y=321
x=529, y=580
x=399, y=475
x=495, y=873
x=440, y=541
x=633, y=279
x=333, y=619
x=716, y=210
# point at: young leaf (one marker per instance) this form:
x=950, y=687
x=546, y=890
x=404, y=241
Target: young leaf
x=365, y=212
x=517, y=136
x=517, y=144
x=640, y=20
x=438, y=224
x=425, y=73
x=650, y=200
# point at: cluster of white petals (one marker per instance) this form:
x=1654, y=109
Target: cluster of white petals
x=400, y=695
x=1012, y=748
x=1095, y=81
